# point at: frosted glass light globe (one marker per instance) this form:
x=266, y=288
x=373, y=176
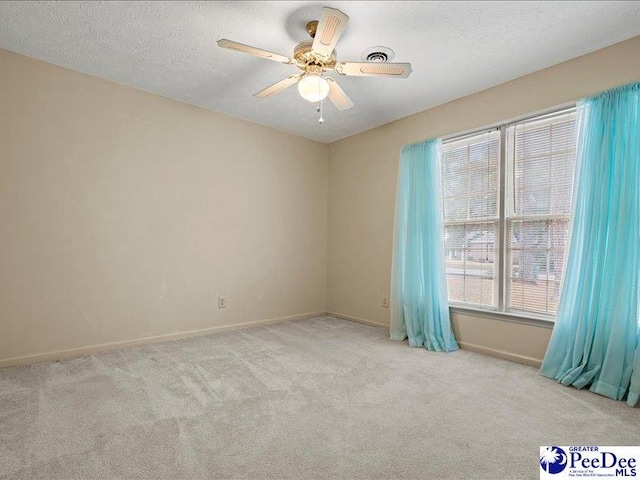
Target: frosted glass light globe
x=313, y=87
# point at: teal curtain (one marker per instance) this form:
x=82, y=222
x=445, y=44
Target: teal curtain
x=595, y=340
x=419, y=303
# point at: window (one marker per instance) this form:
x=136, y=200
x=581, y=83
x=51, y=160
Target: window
x=507, y=201
x=470, y=172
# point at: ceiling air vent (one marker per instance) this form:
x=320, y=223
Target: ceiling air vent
x=377, y=57
x=378, y=54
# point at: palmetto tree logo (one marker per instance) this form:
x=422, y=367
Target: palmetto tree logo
x=553, y=459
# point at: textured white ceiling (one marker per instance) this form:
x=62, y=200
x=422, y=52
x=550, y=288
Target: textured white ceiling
x=169, y=48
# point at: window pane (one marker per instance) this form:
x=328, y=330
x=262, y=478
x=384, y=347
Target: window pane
x=470, y=174
x=541, y=159
x=535, y=264
x=471, y=254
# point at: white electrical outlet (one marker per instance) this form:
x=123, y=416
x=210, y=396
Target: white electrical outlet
x=222, y=302
x=385, y=302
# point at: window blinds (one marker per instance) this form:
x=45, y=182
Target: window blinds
x=540, y=165
x=470, y=173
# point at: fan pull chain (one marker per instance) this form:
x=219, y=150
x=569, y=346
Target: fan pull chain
x=319, y=109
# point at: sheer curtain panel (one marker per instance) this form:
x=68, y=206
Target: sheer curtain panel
x=595, y=339
x=419, y=304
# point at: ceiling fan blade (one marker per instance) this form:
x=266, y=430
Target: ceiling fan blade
x=330, y=27
x=337, y=96
x=276, y=87
x=373, y=69
x=258, y=52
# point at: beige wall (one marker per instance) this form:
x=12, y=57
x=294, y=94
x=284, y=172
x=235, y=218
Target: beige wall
x=362, y=183
x=124, y=215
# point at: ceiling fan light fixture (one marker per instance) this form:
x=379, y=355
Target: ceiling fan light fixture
x=318, y=56
x=313, y=88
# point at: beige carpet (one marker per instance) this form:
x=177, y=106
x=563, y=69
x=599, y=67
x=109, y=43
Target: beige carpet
x=319, y=398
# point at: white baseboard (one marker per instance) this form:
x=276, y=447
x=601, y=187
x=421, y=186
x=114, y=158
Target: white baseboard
x=514, y=357
x=492, y=352
x=105, y=347
x=357, y=319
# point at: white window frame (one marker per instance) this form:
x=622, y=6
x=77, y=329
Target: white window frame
x=501, y=312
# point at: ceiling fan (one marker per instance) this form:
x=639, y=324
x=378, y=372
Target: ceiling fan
x=317, y=56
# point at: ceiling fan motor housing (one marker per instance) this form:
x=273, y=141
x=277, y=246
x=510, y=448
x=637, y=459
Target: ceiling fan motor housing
x=304, y=57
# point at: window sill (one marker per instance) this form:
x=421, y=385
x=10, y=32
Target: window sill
x=502, y=316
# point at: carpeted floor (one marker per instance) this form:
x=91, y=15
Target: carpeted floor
x=319, y=398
